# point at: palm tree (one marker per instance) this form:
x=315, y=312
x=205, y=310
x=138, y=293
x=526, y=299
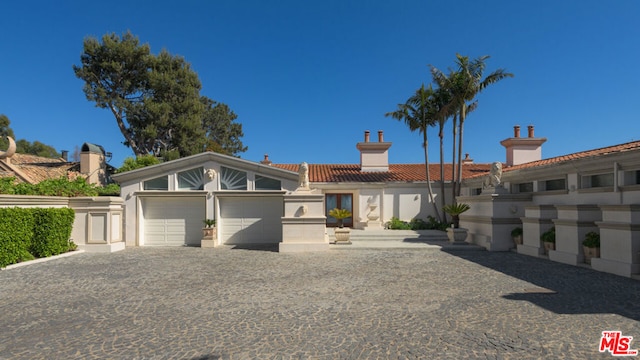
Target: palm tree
x=418, y=113
x=464, y=86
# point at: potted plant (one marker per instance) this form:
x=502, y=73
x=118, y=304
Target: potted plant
x=516, y=235
x=549, y=240
x=342, y=234
x=208, y=233
x=591, y=246
x=455, y=233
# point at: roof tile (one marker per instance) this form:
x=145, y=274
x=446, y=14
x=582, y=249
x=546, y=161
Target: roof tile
x=396, y=173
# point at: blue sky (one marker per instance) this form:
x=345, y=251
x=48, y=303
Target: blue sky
x=307, y=78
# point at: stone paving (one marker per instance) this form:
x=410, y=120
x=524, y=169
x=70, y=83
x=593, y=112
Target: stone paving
x=414, y=303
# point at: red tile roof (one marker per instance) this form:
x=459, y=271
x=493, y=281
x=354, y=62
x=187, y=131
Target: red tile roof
x=396, y=173
x=630, y=146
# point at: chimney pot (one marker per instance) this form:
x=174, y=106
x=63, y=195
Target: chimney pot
x=530, y=129
x=380, y=138
x=366, y=136
x=516, y=131
x=266, y=160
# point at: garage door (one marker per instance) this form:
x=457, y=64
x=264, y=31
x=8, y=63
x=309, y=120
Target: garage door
x=173, y=221
x=251, y=220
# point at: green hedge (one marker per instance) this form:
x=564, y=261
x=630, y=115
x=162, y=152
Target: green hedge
x=26, y=233
x=57, y=187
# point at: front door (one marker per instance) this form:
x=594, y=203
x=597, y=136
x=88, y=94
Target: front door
x=340, y=201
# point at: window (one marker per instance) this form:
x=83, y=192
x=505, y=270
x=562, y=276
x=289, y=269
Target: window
x=555, y=184
x=340, y=201
x=231, y=179
x=265, y=183
x=161, y=183
x=632, y=177
x=599, y=180
x=191, y=179
x=525, y=187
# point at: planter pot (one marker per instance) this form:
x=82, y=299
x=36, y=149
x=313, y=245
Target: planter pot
x=208, y=237
x=209, y=233
x=548, y=246
x=590, y=253
x=457, y=235
x=517, y=240
x=342, y=235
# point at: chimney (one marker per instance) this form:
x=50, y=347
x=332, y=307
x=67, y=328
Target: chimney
x=266, y=160
x=65, y=155
x=93, y=163
x=523, y=150
x=374, y=156
x=467, y=160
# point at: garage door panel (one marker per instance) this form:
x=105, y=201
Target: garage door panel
x=173, y=221
x=254, y=220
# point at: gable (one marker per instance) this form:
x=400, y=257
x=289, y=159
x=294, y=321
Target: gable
x=230, y=173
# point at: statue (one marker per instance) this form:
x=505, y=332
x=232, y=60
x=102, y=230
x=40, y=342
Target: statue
x=494, y=177
x=210, y=173
x=303, y=176
x=10, y=151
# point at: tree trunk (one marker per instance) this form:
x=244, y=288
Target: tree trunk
x=453, y=161
x=442, y=199
x=426, y=161
x=463, y=114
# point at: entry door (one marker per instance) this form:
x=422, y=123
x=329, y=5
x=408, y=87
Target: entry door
x=340, y=201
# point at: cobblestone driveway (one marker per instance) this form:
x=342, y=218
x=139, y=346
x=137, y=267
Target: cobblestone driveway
x=192, y=303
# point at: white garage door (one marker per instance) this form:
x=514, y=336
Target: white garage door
x=173, y=221
x=251, y=220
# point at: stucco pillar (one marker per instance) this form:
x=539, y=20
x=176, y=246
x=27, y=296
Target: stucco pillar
x=572, y=224
x=304, y=223
x=491, y=217
x=537, y=219
x=619, y=240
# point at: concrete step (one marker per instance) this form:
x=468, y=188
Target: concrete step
x=401, y=239
x=382, y=235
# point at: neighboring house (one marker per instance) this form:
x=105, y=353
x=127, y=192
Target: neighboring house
x=167, y=203
x=33, y=169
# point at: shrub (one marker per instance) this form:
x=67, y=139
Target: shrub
x=516, y=232
x=591, y=240
x=549, y=235
x=436, y=225
x=51, y=232
x=57, y=187
x=29, y=232
x=16, y=232
x=416, y=224
x=396, y=224
x=109, y=190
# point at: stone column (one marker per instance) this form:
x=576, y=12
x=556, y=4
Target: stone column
x=537, y=219
x=491, y=217
x=304, y=223
x=572, y=224
x=619, y=240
